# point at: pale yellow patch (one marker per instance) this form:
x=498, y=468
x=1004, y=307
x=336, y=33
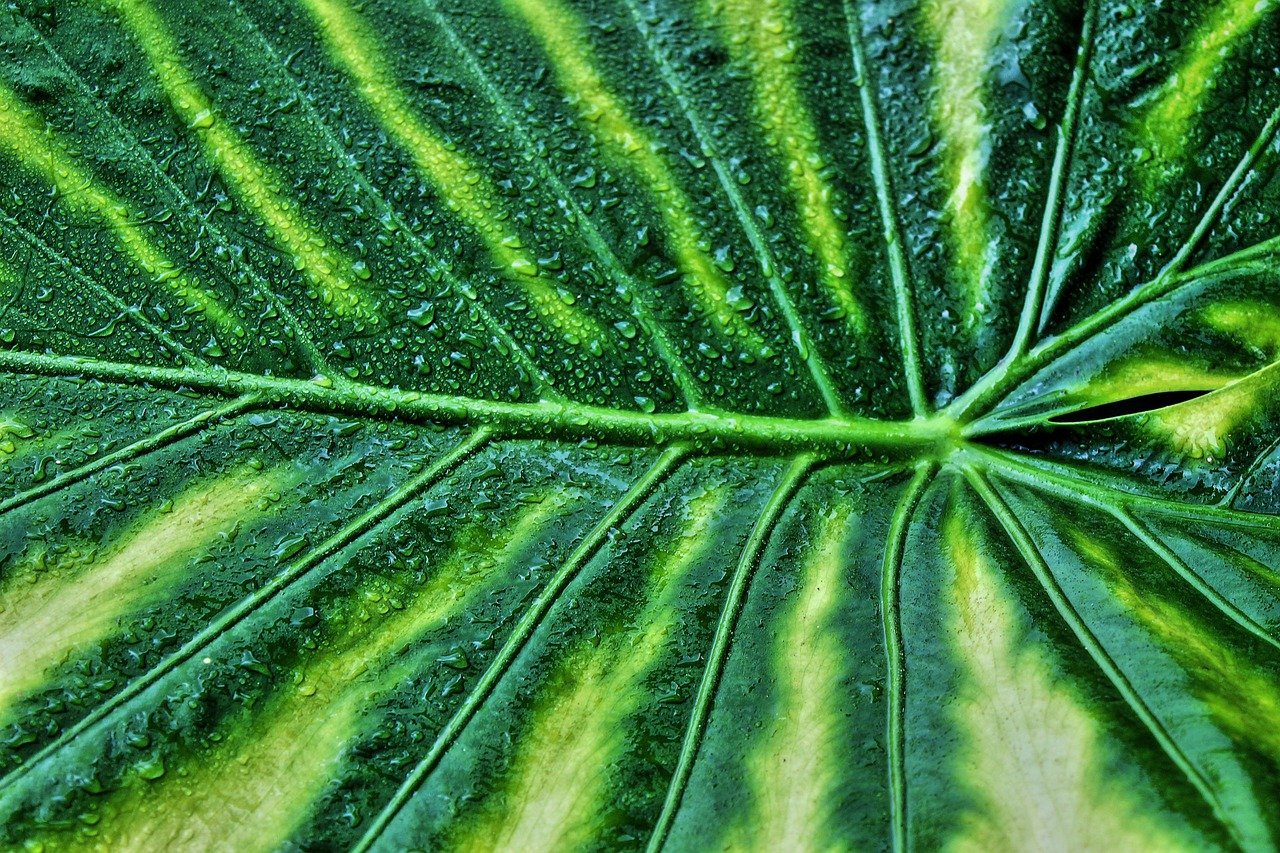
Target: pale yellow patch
x=560, y=33
x=1257, y=324
x=1145, y=374
x=1167, y=121
x=795, y=764
x=327, y=269
x=1201, y=428
x=252, y=793
x=24, y=137
x=553, y=797
x=761, y=34
x=964, y=34
x=467, y=191
x=1035, y=763
x=53, y=608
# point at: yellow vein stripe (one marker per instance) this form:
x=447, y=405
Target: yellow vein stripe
x=1242, y=696
x=747, y=219
x=467, y=191
x=639, y=300
x=533, y=617
x=561, y=34
x=762, y=35
x=23, y=135
x=54, y=609
x=1034, y=762
x=257, y=787
x=436, y=265
x=555, y=796
x=1168, y=119
x=143, y=156
x=791, y=481
x=328, y=270
x=964, y=33
x=1033, y=558
x=796, y=765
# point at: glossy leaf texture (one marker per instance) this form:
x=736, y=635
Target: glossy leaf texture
x=639, y=424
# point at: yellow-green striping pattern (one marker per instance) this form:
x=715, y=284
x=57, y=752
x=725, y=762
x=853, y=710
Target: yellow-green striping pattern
x=24, y=138
x=334, y=276
x=467, y=191
x=253, y=787
x=793, y=765
x=555, y=793
x=1168, y=120
x=140, y=567
x=1035, y=761
x=626, y=142
x=639, y=424
x=964, y=34
x=1241, y=693
x=764, y=37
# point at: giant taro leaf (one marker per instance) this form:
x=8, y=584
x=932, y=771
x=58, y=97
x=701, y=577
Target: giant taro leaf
x=557, y=424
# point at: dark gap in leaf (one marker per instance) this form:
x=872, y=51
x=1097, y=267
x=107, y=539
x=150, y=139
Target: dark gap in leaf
x=1130, y=406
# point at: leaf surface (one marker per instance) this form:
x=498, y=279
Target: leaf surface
x=595, y=424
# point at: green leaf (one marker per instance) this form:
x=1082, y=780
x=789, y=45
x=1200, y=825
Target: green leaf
x=558, y=424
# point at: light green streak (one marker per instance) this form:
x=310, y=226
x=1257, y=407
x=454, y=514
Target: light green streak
x=795, y=764
x=965, y=34
x=761, y=34
x=24, y=136
x=554, y=796
x=256, y=184
x=1167, y=121
x=560, y=33
x=467, y=191
x=1035, y=762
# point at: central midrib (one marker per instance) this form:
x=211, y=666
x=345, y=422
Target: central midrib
x=829, y=437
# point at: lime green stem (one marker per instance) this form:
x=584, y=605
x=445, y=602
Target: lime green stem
x=706, y=431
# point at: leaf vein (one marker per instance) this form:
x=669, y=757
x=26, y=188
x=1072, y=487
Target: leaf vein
x=349, y=534
x=1030, y=552
x=788, y=485
x=818, y=368
x=662, y=468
